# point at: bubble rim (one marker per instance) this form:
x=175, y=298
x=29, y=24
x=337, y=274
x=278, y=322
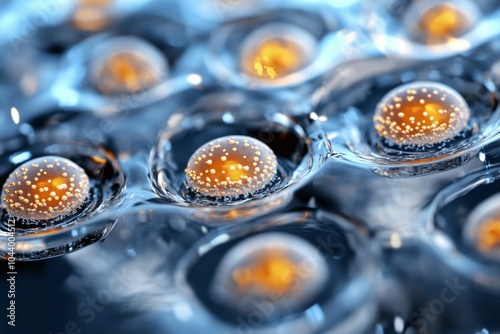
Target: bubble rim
x=354, y=144
x=445, y=248
x=228, y=71
x=98, y=223
x=365, y=266
x=395, y=42
x=317, y=155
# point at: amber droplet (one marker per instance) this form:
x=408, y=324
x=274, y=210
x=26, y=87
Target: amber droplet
x=231, y=166
x=45, y=188
x=274, y=58
x=421, y=113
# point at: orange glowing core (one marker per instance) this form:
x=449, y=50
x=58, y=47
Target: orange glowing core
x=231, y=166
x=270, y=272
x=126, y=72
x=274, y=58
x=45, y=188
x=443, y=23
x=421, y=113
x=91, y=15
x=489, y=235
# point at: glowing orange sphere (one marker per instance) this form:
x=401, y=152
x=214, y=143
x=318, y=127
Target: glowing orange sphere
x=45, y=188
x=126, y=72
x=270, y=271
x=126, y=65
x=443, y=21
x=276, y=51
x=274, y=58
x=421, y=113
x=231, y=166
x=489, y=235
x=268, y=265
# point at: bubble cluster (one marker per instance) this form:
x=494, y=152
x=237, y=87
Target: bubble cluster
x=231, y=166
x=421, y=113
x=45, y=188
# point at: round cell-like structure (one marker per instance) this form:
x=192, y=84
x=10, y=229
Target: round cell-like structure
x=265, y=266
x=435, y=23
x=127, y=65
x=482, y=228
x=275, y=51
x=421, y=113
x=45, y=188
x=231, y=166
x=92, y=15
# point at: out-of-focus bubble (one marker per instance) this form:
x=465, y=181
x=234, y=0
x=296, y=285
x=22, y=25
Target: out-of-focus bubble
x=482, y=229
x=126, y=65
x=431, y=23
x=91, y=15
x=275, y=51
x=421, y=113
x=266, y=266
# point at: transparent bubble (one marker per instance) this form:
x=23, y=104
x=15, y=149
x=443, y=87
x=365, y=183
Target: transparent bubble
x=45, y=188
x=126, y=65
x=263, y=266
x=428, y=29
x=443, y=22
x=111, y=73
x=482, y=228
x=283, y=48
x=74, y=224
x=296, y=151
x=282, y=270
x=463, y=227
x=410, y=119
x=231, y=166
x=421, y=113
x=276, y=51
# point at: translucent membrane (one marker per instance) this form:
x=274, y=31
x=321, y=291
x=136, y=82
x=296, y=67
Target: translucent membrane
x=282, y=270
x=91, y=15
x=276, y=51
x=441, y=22
x=428, y=29
x=283, y=48
x=45, y=188
x=482, y=228
x=126, y=65
x=411, y=120
x=246, y=160
x=58, y=198
x=463, y=224
x=262, y=266
x=421, y=113
x=231, y=166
